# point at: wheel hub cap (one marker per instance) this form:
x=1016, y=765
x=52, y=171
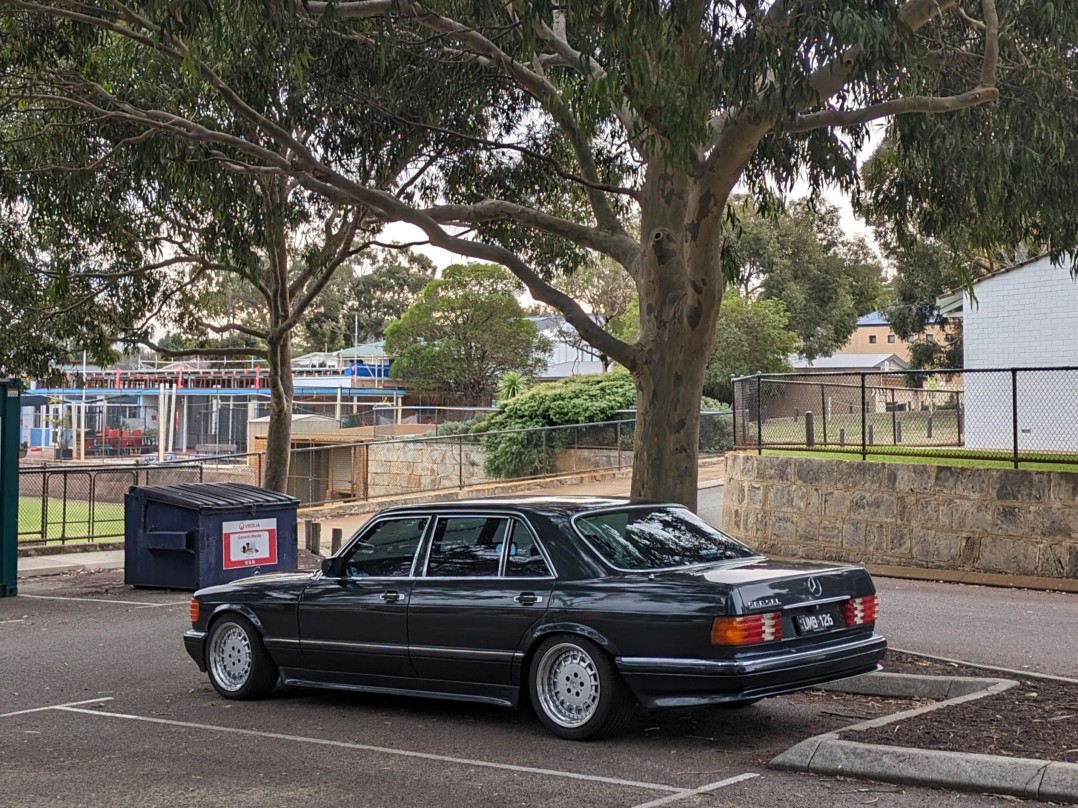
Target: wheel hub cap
x=568, y=685
x=230, y=657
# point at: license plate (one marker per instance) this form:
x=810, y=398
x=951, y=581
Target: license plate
x=811, y=623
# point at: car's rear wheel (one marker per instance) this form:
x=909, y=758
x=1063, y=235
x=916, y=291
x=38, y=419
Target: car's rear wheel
x=239, y=665
x=576, y=690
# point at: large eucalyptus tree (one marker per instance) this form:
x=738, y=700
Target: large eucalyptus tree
x=619, y=108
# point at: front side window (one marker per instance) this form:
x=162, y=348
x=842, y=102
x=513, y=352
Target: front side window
x=387, y=550
x=639, y=539
x=467, y=546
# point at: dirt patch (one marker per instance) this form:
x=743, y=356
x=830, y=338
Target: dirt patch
x=1038, y=718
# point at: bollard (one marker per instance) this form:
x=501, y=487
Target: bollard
x=929, y=435
x=313, y=532
x=842, y=437
x=898, y=432
x=337, y=539
x=871, y=437
x=810, y=437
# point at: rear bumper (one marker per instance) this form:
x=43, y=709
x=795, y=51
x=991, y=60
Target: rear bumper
x=664, y=683
x=195, y=643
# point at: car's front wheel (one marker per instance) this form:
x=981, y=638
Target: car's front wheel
x=239, y=665
x=576, y=690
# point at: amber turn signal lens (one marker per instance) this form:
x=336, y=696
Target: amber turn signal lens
x=747, y=630
x=194, y=610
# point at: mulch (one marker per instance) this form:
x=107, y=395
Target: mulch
x=1038, y=718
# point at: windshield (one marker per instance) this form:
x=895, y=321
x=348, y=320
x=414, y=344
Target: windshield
x=640, y=539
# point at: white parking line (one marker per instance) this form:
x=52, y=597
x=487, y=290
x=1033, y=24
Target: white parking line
x=20, y=620
x=729, y=781
x=671, y=790
x=140, y=603
x=56, y=707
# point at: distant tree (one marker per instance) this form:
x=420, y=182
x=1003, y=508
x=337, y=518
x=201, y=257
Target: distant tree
x=364, y=298
x=464, y=331
x=753, y=336
x=803, y=258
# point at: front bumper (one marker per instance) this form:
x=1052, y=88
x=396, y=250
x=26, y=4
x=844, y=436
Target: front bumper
x=664, y=683
x=195, y=643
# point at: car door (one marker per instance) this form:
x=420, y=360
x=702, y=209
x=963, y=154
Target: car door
x=357, y=623
x=484, y=583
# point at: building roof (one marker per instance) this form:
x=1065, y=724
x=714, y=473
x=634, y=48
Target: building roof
x=873, y=318
x=880, y=361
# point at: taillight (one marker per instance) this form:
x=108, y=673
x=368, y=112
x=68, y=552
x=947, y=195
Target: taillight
x=747, y=630
x=194, y=610
x=859, y=611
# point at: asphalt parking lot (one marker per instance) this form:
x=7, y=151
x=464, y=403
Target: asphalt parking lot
x=100, y=706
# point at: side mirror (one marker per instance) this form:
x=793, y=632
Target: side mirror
x=331, y=567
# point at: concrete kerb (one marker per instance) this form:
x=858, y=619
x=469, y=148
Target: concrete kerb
x=831, y=754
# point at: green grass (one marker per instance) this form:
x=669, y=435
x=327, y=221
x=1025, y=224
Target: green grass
x=885, y=427
x=73, y=525
x=939, y=457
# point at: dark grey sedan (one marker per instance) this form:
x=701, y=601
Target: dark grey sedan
x=586, y=607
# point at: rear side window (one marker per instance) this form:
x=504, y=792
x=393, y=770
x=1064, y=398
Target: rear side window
x=638, y=539
x=469, y=546
x=523, y=558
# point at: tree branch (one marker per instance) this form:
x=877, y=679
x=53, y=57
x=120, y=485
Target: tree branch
x=252, y=353
x=622, y=248
x=896, y=106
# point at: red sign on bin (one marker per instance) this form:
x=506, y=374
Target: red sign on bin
x=249, y=543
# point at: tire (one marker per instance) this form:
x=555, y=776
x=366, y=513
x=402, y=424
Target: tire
x=576, y=691
x=237, y=661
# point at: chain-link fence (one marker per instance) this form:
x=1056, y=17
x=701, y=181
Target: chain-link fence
x=76, y=503
x=1017, y=415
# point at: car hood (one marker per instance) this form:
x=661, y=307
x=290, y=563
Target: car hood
x=273, y=579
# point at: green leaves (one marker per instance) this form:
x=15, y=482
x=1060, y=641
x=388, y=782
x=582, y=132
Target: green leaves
x=464, y=331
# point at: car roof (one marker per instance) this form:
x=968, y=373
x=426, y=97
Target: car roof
x=563, y=505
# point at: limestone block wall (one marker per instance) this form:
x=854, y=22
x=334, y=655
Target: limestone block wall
x=945, y=517
x=409, y=467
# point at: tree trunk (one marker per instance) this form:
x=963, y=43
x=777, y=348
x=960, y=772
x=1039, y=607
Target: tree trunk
x=667, y=441
x=279, y=437
x=680, y=286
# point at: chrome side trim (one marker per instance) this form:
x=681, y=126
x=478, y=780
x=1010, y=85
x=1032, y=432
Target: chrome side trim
x=338, y=645
x=281, y=642
x=457, y=653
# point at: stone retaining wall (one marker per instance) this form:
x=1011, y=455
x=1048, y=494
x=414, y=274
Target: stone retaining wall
x=947, y=517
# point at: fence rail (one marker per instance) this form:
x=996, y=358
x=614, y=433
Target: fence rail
x=76, y=503
x=1011, y=415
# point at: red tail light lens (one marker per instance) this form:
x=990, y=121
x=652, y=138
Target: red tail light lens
x=747, y=630
x=859, y=611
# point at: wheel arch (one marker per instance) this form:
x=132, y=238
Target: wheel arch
x=540, y=633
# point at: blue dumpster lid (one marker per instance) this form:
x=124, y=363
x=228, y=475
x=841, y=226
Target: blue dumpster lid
x=213, y=496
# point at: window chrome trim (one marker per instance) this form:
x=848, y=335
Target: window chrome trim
x=435, y=515
x=650, y=507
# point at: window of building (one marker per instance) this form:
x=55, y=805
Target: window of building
x=891, y=338
x=930, y=338
x=872, y=339
x=949, y=337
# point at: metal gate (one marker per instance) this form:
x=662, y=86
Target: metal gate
x=9, y=486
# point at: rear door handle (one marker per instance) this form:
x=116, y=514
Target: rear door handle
x=528, y=599
x=392, y=596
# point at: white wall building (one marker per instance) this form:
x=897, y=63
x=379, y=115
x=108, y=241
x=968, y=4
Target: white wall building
x=1023, y=317
x=569, y=355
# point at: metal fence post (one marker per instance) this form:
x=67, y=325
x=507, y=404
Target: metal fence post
x=1014, y=412
x=823, y=412
x=759, y=418
x=617, y=440
x=460, y=460
x=864, y=420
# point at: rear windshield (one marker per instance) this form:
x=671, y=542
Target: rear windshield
x=639, y=539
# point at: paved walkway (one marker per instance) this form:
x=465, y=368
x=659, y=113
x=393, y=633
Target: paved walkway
x=31, y=566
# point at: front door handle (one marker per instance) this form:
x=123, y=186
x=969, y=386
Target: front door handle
x=391, y=596
x=528, y=599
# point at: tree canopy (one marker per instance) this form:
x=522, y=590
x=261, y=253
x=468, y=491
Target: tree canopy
x=753, y=337
x=609, y=110
x=464, y=331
